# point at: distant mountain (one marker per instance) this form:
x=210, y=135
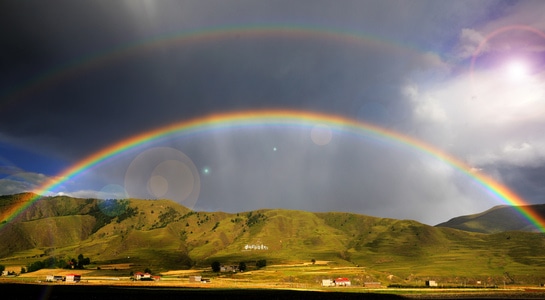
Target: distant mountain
x=497, y=219
x=168, y=236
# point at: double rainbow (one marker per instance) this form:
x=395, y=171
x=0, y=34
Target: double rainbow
x=243, y=118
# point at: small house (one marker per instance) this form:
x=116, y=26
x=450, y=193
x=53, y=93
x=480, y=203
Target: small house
x=142, y=276
x=54, y=278
x=199, y=279
x=73, y=278
x=328, y=282
x=342, y=281
x=431, y=283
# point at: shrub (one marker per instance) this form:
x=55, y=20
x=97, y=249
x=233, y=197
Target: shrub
x=216, y=266
x=261, y=263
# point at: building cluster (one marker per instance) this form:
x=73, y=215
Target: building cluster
x=145, y=277
x=225, y=268
x=341, y=281
x=256, y=247
x=66, y=278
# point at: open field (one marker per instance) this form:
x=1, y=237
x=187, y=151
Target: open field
x=273, y=282
x=107, y=289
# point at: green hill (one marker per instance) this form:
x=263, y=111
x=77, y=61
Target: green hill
x=497, y=219
x=167, y=236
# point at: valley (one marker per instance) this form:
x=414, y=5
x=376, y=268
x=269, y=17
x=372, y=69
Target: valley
x=122, y=237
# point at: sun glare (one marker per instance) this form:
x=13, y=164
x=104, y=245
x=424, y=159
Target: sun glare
x=516, y=70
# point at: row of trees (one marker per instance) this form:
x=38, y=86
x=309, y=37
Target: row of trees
x=54, y=262
x=216, y=265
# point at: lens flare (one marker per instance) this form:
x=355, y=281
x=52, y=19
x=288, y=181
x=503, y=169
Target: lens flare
x=157, y=186
x=321, y=134
x=163, y=172
x=112, y=191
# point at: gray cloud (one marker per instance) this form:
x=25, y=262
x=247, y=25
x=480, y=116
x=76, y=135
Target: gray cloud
x=17, y=181
x=72, y=85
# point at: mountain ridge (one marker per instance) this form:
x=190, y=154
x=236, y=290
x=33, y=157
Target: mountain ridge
x=497, y=219
x=167, y=235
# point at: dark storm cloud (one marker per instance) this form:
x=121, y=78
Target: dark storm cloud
x=144, y=91
x=65, y=95
x=45, y=39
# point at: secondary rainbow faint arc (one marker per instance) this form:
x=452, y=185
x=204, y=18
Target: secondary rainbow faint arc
x=121, y=52
x=291, y=117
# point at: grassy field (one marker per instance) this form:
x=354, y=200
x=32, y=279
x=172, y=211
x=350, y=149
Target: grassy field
x=294, y=277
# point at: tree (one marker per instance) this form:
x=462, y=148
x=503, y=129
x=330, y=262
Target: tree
x=216, y=266
x=35, y=266
x=313, y=261
x=242, y=266
x=147, y=270
x=61, y=263
x=261, y=263
x=2, y=268
x=82, y=261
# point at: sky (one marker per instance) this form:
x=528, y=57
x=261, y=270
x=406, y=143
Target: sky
x=465, y=77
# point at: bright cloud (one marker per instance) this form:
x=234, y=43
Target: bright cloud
x=479, y=113
x=425, y=107
x=520, y=154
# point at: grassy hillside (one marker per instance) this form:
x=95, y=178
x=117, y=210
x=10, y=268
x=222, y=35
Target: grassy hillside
x=164, y=235
x=497, y=219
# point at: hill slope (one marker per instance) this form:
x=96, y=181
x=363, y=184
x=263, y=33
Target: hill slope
x=497, y=219
x=167, y=236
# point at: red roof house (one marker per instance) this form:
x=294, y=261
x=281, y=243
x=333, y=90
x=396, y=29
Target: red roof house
x=342, y=281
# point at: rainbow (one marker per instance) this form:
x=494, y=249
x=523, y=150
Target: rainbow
x=114, y=55
x=289, y=118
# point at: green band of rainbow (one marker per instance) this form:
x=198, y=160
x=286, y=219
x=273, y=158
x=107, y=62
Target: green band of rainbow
x=288, y=117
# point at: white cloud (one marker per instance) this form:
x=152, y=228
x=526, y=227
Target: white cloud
x=92, y=194
x=486, y=118
x=21, y=182
x=470, y=39
x=427, y=109
x=523, y=154
x=514, y=153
